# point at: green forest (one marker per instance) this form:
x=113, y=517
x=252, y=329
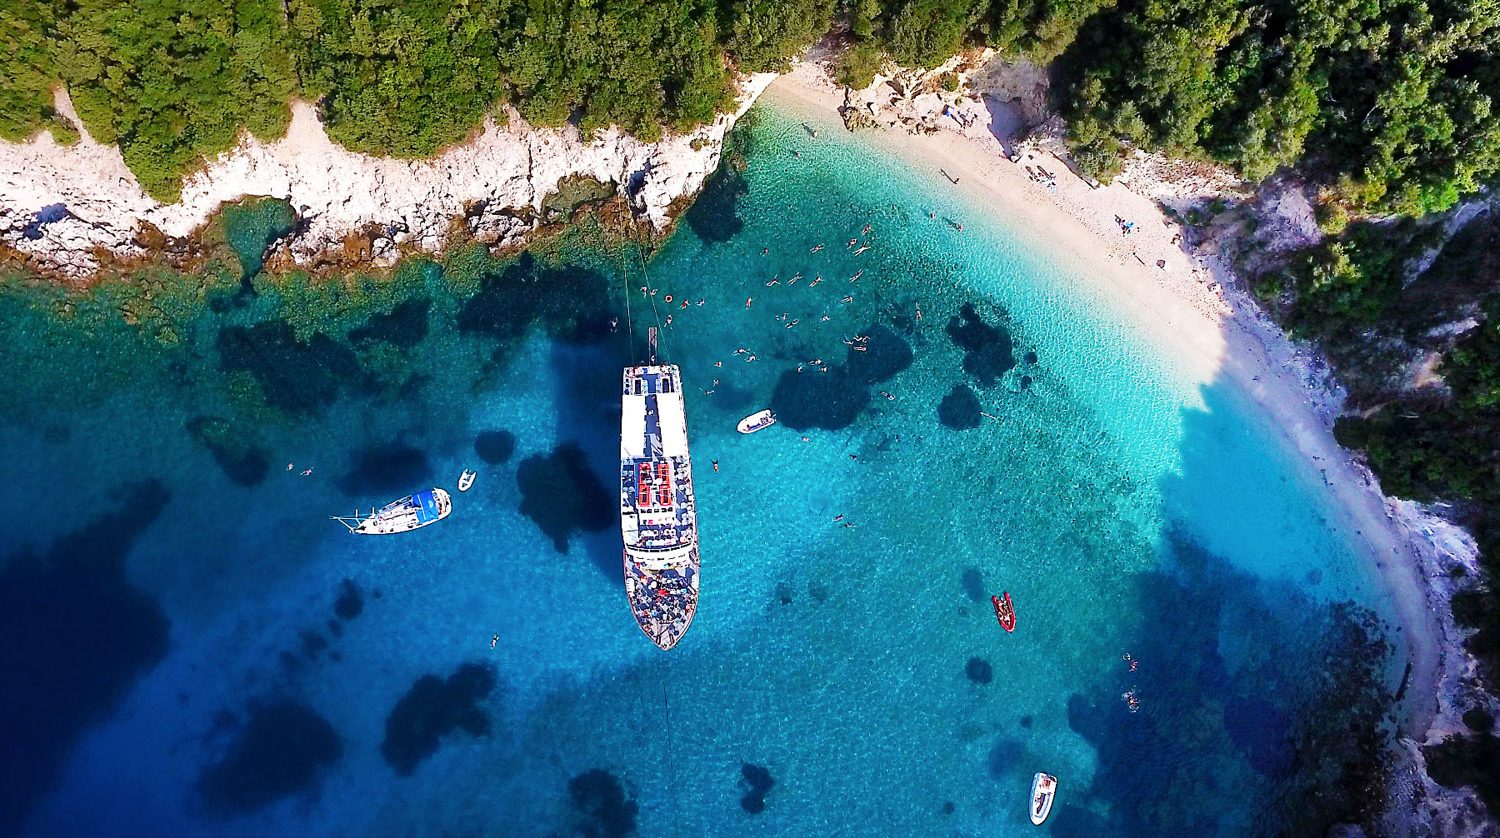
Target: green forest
x=1387, y=102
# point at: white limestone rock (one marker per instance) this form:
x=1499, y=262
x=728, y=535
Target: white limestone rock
x=504, y=170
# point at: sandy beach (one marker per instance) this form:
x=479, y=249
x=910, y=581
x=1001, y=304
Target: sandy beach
x=1213, y=329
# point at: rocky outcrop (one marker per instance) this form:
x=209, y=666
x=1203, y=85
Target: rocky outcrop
x=69, y=207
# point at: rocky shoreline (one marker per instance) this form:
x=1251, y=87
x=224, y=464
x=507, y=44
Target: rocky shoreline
x=68, y=210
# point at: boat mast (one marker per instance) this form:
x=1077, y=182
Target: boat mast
x=651, y=343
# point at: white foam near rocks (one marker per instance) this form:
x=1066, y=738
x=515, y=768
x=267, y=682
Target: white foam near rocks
x=491, y=180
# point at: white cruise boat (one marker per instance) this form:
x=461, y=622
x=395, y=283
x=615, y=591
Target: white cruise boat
x=410, y=513
x=658, y=521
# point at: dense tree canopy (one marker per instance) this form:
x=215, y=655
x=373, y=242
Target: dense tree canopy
x=173, y=80
x=1390, y=102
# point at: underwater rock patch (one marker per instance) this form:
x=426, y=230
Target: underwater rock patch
x=570, y=302
x=960, y=409
x=885, y=355
x=758, y=782
x=979, y=671
x=987, y=349
x=350, y=602
x=714, y=215
x=495, y=447
x=295, y=376
x=972, y=581
x=241, y=460
x=405, y=325
x=561, y=495
x=388, y=468
x=811, y=399
x=281, y=752
x=433, y=708
x=603, y=807
x=77, y=635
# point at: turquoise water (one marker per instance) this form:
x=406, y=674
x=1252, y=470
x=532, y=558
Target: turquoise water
x=207, y=653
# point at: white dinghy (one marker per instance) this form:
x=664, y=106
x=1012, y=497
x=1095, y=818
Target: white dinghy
x=757, y=421
x=1043, y=790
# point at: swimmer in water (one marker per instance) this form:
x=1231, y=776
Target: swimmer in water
x=773, y=282
x=748, y=301
x=866, y=229
x=848, y=299
x=816, y=280
x=862, y=249
x=816, y=249
x=494, y=639
x=716, y=465
x=857, y=274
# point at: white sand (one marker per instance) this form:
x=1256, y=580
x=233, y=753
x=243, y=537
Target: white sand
x=1216, y=334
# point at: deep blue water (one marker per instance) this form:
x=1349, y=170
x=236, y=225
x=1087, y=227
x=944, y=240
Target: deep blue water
x=194, y=648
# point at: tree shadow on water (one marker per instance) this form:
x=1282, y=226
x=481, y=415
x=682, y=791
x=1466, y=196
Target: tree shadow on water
x=1262, y=707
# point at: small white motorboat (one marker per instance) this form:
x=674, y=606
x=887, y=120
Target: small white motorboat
x=466, y=479
x=1043, y=790
x=757, y=421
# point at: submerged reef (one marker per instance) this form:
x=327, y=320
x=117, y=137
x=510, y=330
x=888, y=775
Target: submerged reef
x=757, y=782
x=433, y=708
x=987, y=349
x=242, y=460
x=77, y=635
x=392, y=467
x=601, y=805
x=714, y=215
x=1321, y=761
x=810, y=399
x=570, y=302
x=404, y=326
x=960, y=409
x=351, y=602
x=979, y=671
x=562, y=495
x=833, y=400
x=294, y=375
x=495, y=447
x=281, y=752
x=972, y=582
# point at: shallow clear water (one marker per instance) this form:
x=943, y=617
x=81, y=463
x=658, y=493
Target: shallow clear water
x=210, y=672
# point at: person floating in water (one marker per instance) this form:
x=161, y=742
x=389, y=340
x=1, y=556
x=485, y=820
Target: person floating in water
x=748, y=301
x=307, y=471
x=816, y=249
x=716, y=466
x=494, y=639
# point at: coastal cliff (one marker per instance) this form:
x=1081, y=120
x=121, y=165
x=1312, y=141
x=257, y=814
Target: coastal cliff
x=69, y=208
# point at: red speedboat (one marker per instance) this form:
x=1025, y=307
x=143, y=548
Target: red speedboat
x=1004, y=611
